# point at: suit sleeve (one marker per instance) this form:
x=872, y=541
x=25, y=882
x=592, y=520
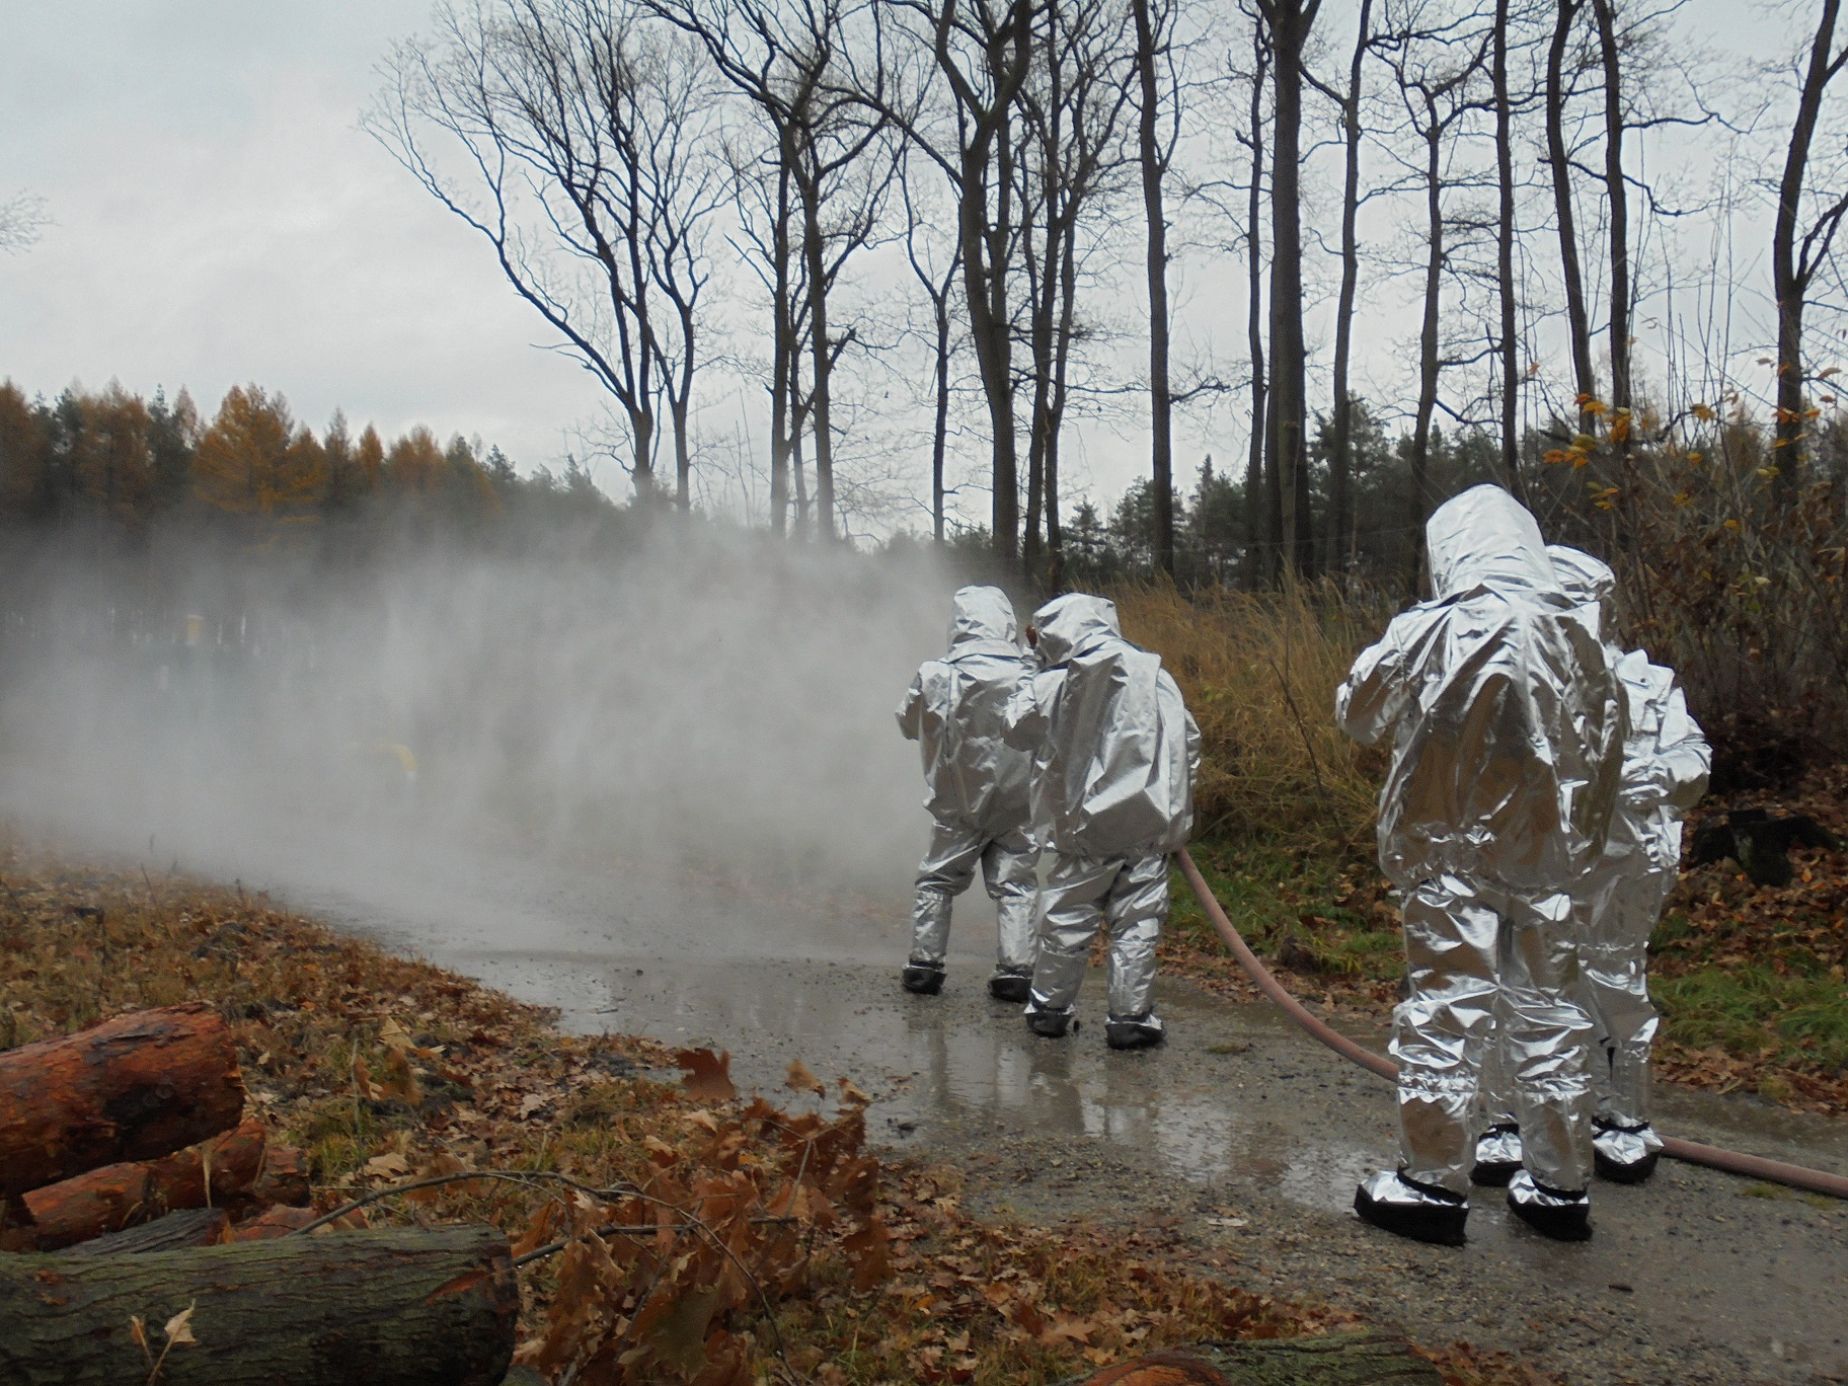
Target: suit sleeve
x=1369, y=702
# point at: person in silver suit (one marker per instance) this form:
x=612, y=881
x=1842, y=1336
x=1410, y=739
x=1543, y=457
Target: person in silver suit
x=1114, y=756
x=1617, y=902
x=1507, y=733
x=977, y=793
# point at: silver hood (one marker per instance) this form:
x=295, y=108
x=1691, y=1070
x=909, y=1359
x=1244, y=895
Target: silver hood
x=954, y=711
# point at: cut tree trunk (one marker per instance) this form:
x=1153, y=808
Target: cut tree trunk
x=403, y=1306
x=1341, y=1359
x=138, y=1086
x=245, y=1172
x=188, y=1227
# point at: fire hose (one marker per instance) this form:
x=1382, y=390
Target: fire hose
x=1693, y=1152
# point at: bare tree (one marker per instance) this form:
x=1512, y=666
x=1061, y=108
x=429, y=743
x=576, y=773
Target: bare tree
x=1794, y=262
x=1289, y=23
x=1341, y=521
x=1617, y=206
x=1260, y=546
x=938, y=280
x=582, y=139
x=22, y=216
x=1508, y=344
x=1071, y=113
x=1155, y=150
x=1437, y=63
x=791, y=62
x=973, y=56
x=1559, y=164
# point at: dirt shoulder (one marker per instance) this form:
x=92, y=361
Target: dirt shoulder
x=778, y=1242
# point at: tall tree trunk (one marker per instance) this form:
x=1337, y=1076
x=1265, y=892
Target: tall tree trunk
x=990, y=334
x=1616, y=195
x=783, y=332
x=1259, y=556
x=1790, y=274
x=940, y=426
x=1504, y=260
x=1342, y=528
x=1068, y=300
x=1578, y=318
x=812, y=250
x=1427, y=346
x=1161, y=404
x=1290, y=23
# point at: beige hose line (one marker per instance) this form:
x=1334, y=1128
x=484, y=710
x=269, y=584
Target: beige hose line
x=1752, y=1166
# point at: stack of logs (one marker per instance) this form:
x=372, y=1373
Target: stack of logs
x=132, y=1191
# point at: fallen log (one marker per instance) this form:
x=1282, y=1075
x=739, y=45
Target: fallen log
x=132, y=1088
x=238, y=1171
x=188, y=1227
x=401, y=1306
x=1340, y=1359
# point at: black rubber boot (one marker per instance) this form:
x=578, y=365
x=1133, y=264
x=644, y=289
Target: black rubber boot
x=1051, y=1024
x=922, y=979
x=1134, y=1032
x=1439, y=1223
x=1494, y=1173
x=1010, y=986
x=1568, y=1223
x=1621, y=1171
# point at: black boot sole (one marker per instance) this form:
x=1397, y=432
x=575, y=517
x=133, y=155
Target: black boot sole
x=1051, y=1026
x=1494, y=1174
x=922, y=981
x=1133, y=1037
x=1610, y=1169
x=1010, y=988
x=1440, y=1226
x=1561, y=1224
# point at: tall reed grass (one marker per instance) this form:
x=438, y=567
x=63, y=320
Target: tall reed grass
x=1259, y=671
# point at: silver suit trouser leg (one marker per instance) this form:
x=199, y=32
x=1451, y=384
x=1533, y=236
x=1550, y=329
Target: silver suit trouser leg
x=1136, y=908
x=1616, y=989
x=1131, y=897
x=1442, y=1029
x=1009, y=869
x=1548, y=1039
x=948, y=867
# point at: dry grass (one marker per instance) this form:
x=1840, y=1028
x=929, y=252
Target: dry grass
x=1259, y=671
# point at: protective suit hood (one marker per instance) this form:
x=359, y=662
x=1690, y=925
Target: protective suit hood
x=982, y=613
x=1073, y=624
x=1486, y=538
x=1583, y=578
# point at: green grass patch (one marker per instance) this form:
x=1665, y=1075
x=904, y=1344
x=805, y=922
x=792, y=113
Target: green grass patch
x=1317, y=911
x=1787, y=1005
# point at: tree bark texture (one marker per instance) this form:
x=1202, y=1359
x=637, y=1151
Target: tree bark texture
x=243, y=1170
x=1790, y=270
x=188, y=1227
x=1428, y=363
x=1578, y=319
x=405, y=1307
x=1509, y=347
x=1260, y=560
x=132, y=1088
x=1340, y=1359
x=1617, y=200
x=1161, y=403
x=1290, y=22
x=1341, y=522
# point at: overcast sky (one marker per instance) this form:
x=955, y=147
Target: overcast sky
x=218, y=217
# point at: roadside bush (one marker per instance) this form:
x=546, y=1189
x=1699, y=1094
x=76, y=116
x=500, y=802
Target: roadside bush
x=1259, y=671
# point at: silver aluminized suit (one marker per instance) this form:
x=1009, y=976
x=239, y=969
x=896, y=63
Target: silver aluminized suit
x=1506, y=736
x=1115, y=751
x=977, y=784
x=1617, y=901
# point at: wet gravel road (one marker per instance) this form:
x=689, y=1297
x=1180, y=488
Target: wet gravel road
x=1241, y=1133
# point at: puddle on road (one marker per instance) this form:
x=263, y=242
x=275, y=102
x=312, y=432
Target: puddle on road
x=963, y=1068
